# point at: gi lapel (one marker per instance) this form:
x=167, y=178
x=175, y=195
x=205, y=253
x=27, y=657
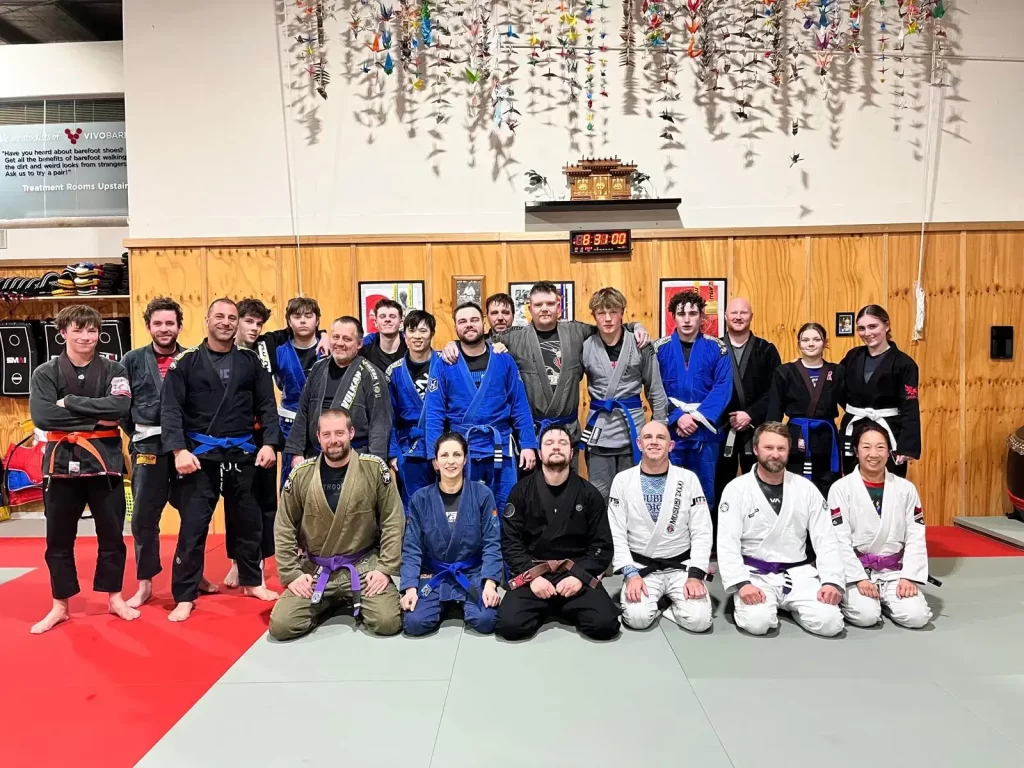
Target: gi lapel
x=537, y=360
x=339, y=516
x=152, y=369
x=625, y=358
x=454, y=534
x=770, y=543
x=813, y=391
x=90, y=385
x=480, y=393
x=300, y=375
x=670, y=500
x=227, y=390
x=348, y=387
x=739, y=369
x=880, y=524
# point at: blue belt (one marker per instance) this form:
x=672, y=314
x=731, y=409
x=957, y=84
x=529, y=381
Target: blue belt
x=468, y=431
x=453, y=571
x=209, y=442
x=805, y=432
x=561, y=421
x=625, y=405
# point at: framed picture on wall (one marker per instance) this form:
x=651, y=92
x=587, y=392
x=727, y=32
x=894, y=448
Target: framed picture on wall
x=520, y=293
x=468, y=288
x=712, y=291
x=408, y=293
x=844, y=323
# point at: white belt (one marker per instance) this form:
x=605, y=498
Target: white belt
x=142, y=432
x=877, y=416
x=284, y=413
x=691, y=409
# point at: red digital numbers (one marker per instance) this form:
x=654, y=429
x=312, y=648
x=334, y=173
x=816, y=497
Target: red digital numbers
x=610, y=241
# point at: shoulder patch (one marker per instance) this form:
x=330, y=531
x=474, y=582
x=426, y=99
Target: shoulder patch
x=659, y=343
x=837, y=516
x=369, y=368
x=385, y=470
x=721, y=344
x=394, y=366
x=297, y=470
x=180, y=355
x=510, y=510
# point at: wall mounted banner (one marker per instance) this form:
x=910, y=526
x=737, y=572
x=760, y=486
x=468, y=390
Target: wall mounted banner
x=63, y=169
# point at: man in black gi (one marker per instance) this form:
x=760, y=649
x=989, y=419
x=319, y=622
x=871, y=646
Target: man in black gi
x=344, y=380
x=78, y=400
x=753, y=361
x=557, y=543
x=212, y=395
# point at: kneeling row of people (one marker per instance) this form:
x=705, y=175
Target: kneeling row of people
x=342, y=534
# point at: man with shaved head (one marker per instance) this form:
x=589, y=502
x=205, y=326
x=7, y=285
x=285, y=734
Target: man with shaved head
x=661, y=532
x=753, y=362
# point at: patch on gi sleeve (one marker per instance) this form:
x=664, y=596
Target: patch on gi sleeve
x=918, y=515
x=837, y=516
x=911, y=392
x=432, y=386
x=698, y=500
x=510, y=510
x=119, y=386
x=614, y=501
x=723, y=507
x=494, y=513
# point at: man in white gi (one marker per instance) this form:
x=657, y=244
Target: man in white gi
x=880, y=528
x=764, y=519
x=661, y=530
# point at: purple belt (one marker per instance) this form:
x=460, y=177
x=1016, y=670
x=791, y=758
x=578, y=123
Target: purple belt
x=763, y=567
x=328, y=565
x=881, y=562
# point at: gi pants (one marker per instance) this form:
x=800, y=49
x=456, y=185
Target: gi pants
x=199, y=494
x=693, y=615
x=264, y=491
x=64, y=500
x=413, y=474
x=591, y=611
x=701, y=459
x=603, y=466
x=499, y=480
x=725, y=472
x=862, y=611
x=427, y=615
x=294, y=616
x=151, y=490
x=821, y=470
x=802, y=602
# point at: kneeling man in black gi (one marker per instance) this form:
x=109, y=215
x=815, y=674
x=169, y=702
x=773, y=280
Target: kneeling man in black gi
x=557, y=542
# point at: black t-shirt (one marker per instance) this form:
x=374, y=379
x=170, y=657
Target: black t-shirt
x=871, y=363
x=687, y=349
x=332, y=478
x=771, y=492
x=614, y=351
x=451, y=505
x=379, y=357
x=335, y=373
x=551, y=349
x=222, y=364
x=306, y=357
x=477, y=364
x=419, y=373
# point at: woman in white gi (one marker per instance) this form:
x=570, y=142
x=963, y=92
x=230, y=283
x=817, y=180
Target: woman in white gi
x=881, y=534
x=661, y=531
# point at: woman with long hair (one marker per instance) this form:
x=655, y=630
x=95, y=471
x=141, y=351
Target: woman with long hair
x=452, y=547
x=808, y=392
x=881, y=385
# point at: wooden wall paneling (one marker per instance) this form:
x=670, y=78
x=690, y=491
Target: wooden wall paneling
x=845, y=273
x=241, y=273
x=173, y=273
x=326, y=277
x=937, y=475
x=995, y=388
x=450, y=260
x=771, y=274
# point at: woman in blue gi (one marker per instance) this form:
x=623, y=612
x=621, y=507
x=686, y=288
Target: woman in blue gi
x=452, y=547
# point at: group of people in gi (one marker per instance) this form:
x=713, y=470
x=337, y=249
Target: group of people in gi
x=455, y=472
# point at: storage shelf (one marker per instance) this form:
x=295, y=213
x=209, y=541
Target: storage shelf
x=97, y=297
x=653, y=204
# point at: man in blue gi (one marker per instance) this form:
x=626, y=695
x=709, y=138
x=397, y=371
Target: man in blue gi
x=481, y=397
x=697, y=377
x=408, y=379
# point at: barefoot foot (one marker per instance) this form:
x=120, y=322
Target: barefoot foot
x=261, y=593
x=207, y=587
x=141, y=597
x=58, y=614
x=181, y=612
x=231, y=580
x=118, y=607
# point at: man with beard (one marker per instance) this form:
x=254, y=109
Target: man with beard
x=152, y=467
x=78, y=399
x=212, y=396
x=556, y=541
x=481, y=397
x=501, y=311
x=387, y=345
x=331, y=507
x=764, y=522
x=661, y=530
x=408, y=380
x=697, y=379
x=753, y=361
x=344, y=380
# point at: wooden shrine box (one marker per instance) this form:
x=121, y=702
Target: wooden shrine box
x=600, y=179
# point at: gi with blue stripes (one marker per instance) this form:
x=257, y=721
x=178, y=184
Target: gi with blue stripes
x=449, y=561
x=290, y=377
x=702, y=388
x=409, y=433
x=483, y=407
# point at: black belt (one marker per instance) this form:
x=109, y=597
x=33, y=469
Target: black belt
x=674, y=563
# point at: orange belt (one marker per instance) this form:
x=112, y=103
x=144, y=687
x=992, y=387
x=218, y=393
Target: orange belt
x=82, y=439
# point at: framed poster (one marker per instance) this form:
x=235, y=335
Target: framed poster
x=409, y=294
x=467, y=288
x=844, y=324
x=712, y=291
x=520, y=293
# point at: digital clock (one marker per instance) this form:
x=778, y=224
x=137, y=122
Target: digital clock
x=601, y=242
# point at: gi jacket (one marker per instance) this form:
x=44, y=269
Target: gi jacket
x=751, y=378
x=369, y=514
x=532, y=530
x=705, y=383
x=147, y=384
x=363, y=392
x=409, y=433
x=103, y=395
x=893, y=385
x=195, y=400
x=476, y=535
x=792, y=394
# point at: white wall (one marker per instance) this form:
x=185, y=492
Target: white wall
x=71, y=244
x=212, y=154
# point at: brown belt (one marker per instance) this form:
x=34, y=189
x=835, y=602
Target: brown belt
x=552, y=566
x=81, y=439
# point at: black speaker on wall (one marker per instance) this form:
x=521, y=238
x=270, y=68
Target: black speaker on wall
x=1001, y=347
